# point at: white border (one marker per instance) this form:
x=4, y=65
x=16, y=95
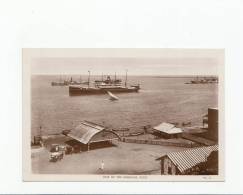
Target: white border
x=129, y=24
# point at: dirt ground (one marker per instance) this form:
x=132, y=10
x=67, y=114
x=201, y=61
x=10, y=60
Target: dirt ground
x=122, y=158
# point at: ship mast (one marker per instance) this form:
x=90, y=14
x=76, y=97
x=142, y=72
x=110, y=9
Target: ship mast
x=126, y=79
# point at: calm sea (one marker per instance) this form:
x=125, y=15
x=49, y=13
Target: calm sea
x=159, y=100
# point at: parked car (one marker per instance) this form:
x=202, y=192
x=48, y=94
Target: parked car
x=55, y=156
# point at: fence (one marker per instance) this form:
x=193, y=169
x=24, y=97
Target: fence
x=130, y=134
x=159, y=142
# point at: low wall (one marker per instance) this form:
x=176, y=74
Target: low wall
x=131, y=134
x=199, y=140
x=158, y=142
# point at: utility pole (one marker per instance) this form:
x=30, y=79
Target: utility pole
x=40, y=130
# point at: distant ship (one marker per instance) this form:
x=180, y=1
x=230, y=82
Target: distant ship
x=69, y=82
x=205, y=80
x=103, y=87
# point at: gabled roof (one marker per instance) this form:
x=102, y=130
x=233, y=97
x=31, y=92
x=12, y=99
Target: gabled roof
x=168, y=128
x=187, y=159
x=85, y=131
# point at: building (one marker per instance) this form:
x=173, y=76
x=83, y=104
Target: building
x=210, y=167
x=89, y=135
x=168, y=130
x=213, y=123
x=212, y=163
x=211, y=119
x=189, y=162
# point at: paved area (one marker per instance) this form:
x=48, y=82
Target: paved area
x=122, y=158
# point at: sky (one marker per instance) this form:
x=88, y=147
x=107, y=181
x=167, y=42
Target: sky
x=135, y=61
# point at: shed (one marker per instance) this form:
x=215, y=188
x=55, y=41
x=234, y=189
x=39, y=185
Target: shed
x=187, y=162
x=89, y=133
x=168, y=130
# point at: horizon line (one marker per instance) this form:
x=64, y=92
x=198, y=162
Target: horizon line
x=161, y=75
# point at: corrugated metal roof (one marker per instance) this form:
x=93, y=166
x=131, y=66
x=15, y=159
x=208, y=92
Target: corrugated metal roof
x=187, y=159
x=168, y=128
x=85, y=131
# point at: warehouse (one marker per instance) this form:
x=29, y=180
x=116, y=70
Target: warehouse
x=89, y=135
x=188, y=162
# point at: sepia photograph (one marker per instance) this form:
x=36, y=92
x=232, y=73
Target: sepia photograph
x=123, y=114
x=121, y=97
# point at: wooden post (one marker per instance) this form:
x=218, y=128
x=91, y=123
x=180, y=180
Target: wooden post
x=162, y=166
x=88, y=147
x=89, y=78
x=126, y=79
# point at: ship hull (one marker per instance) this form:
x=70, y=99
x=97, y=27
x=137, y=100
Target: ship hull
x=75, y=91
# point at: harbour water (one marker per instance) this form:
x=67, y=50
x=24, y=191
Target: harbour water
x=161, y=99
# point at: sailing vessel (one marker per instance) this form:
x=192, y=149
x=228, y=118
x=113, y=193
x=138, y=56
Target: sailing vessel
x=112, y=96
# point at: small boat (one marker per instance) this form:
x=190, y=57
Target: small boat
x=112, y=96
